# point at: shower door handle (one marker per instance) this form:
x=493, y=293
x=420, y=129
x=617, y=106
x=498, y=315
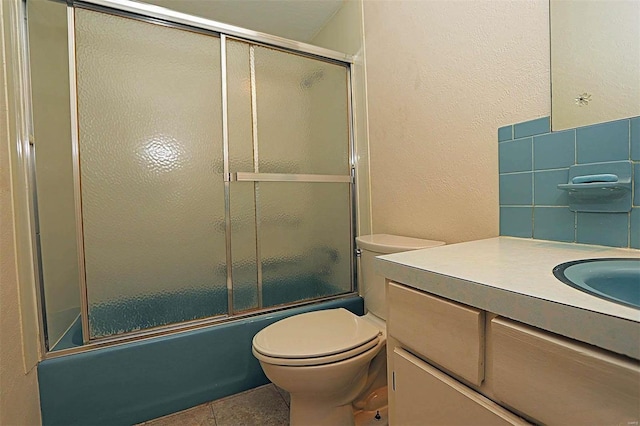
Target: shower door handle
x=286, y=177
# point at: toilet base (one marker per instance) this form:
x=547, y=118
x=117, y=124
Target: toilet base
x=373, y=400
x=378, y=417
x=307, y=412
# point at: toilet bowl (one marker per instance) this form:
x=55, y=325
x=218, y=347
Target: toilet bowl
x=322, y=359
x=331, y=360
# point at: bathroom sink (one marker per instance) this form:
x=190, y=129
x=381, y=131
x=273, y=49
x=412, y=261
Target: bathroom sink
x=616, y=279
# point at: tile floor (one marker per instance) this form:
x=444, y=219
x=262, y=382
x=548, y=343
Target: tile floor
x=266, y=405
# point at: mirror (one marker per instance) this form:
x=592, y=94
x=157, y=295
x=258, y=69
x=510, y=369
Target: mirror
x=595, y=61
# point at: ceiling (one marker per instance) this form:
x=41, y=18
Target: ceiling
x=298, y=20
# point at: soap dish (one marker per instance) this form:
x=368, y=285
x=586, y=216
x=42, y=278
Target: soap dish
x=599, y=187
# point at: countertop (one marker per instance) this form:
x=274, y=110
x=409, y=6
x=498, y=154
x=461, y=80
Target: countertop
x=513, y=277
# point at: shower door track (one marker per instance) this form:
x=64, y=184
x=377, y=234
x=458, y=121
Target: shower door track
x=157, y=14
x=166, y=17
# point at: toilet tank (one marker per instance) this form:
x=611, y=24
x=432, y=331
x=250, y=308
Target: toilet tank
x=371, y=284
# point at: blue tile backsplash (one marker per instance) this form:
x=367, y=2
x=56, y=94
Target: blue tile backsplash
x=546, y=188
x=533, y=127
x=635, y=139
x=533, y=161
x=516, y=189
x=505, y=133
x=516, y=221
x=605, y=229
x=554, y=150
x=552, y=223
x=516, y=156
x=603, y=142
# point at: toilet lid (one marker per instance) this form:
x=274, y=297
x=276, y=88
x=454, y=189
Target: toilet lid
x=315, y=334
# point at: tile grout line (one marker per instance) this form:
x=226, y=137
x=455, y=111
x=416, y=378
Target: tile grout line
x=213, y=414
x=575, y=161
x=533, y=189
x=282, y=396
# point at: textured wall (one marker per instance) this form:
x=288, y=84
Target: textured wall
x=343, y=32
x=442, y=76
x=19, y=404
x=18, y=392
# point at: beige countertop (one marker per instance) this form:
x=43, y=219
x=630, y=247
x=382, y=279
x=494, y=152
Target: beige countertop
x=513, y=277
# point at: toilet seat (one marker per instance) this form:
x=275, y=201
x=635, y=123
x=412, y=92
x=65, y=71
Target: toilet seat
x=316, y=338
x=309, y=362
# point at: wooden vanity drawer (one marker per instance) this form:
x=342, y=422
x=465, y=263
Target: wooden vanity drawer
x=556, y=380
x=449, y=334
x=425, y=395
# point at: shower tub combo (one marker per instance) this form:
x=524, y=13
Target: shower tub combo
x=193, y=182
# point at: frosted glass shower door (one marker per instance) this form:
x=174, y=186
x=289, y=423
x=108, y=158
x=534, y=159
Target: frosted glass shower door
x=305, y=240
x=303, y=129
x=151, y=162
x=292, y=197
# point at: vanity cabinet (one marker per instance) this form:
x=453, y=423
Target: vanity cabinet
x=448, y=333
x=560, y=381
x=449, y=363
x=426, y=396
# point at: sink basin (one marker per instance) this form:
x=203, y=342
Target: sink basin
x=617, y=280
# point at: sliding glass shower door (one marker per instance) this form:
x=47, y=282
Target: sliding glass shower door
x=214, y=175
x=289, y=154
x=150, y=142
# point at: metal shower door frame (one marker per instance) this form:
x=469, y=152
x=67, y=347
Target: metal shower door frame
x=161, y=16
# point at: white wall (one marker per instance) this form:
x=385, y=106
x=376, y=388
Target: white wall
x=442, y=77
x=343, y=32
x=19, y=403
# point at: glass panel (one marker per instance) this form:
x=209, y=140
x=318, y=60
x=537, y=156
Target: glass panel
x=49, y=62
x=305, y=240
x=243, y=246
x=303, y=124
x=151, y=164
x=239, y=107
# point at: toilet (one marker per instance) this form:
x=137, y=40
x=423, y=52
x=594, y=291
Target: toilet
x=332, y=360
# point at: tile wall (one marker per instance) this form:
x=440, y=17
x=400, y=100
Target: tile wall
x=533, y=160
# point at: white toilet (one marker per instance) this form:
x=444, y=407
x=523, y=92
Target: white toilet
x=328, y=359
